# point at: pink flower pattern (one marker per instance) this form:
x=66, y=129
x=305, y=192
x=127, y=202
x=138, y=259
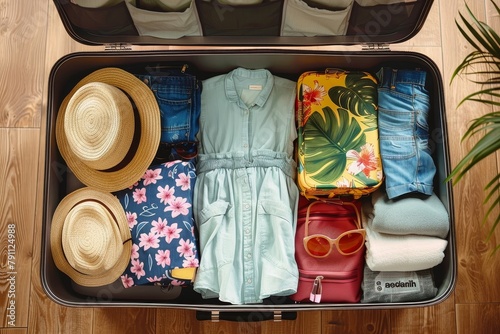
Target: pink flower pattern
x=150, y=240
x=183, y=181
x=179, y=206
x=140, y=195
x=159, y=215
x=138, y=268
x=190, y=262
x=163, y=258
x=151, y=176
x=134, y=254
x=160, y=227
x=166, y=195
x=127, y=281
x=132, y=219
x=185, y=248
x=172, y=233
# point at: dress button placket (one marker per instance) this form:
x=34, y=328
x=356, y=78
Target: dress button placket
x=248, y=265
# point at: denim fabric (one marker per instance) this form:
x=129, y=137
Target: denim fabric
x=179, y=97
x=404, y=132
x=245, y=195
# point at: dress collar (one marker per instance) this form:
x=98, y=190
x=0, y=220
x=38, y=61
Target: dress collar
x=230, y=84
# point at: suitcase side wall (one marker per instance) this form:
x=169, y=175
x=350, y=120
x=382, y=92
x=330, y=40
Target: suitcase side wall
x=289, y=64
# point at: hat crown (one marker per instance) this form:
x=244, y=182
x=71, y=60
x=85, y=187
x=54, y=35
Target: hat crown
x=91, y=238
x=99, y=125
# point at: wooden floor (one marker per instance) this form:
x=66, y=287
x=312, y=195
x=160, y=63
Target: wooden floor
x=32, y=39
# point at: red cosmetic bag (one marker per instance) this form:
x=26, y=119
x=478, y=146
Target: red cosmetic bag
x=329, y=250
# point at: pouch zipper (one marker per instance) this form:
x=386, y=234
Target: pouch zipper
x=317, y=287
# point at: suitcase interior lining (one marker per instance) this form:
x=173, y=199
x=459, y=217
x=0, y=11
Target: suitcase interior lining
x=289, y=64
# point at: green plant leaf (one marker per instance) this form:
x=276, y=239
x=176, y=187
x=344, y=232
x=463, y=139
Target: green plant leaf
x=359, y=96
x=482, y=67
x=327, y=140
x=482, y=34
x=483, y=148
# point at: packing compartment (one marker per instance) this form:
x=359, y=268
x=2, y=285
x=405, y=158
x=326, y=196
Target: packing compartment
x=286, y=63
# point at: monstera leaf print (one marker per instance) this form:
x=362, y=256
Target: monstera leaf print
x=328, y=136
x=359, y=96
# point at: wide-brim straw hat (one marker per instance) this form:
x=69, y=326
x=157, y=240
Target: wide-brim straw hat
x=90, y=238
x=140, y=154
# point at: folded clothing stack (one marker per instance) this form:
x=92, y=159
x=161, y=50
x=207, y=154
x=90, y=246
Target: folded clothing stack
x=397, y=286
x=413, y=214
x=391, y=252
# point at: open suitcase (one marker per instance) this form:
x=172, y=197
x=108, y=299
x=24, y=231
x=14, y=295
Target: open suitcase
x=274, y=24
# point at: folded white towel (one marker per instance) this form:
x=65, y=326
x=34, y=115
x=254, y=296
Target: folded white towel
x=413, y=214
x=390, y=252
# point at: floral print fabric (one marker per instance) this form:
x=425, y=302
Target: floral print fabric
x=338, y=151
x=160, y=217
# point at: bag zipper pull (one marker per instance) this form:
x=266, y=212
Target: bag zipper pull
x=316, y=291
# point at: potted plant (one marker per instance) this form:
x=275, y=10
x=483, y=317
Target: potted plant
x=483, y=63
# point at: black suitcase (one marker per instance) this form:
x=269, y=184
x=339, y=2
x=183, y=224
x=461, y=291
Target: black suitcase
x=280, y=51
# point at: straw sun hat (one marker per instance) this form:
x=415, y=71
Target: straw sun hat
x=96, y=131
x=90, y=239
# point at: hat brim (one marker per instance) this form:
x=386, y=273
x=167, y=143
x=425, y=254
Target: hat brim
x=116, y=210
x=147, y=146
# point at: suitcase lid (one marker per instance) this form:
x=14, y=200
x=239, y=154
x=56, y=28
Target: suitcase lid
x=119, y=23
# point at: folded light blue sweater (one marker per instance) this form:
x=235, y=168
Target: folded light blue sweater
x=413, y=214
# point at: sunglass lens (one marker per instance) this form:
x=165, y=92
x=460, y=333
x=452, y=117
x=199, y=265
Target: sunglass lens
x=318, y=246
x=351, y=242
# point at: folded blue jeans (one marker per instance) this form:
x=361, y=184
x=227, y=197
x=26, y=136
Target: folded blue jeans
x=404, y=132
x=179, y=98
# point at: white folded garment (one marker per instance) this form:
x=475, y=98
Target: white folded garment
x=390, y=252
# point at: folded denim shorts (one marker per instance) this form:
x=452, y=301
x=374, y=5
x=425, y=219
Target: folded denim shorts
x=179, y=98
x=404, y=132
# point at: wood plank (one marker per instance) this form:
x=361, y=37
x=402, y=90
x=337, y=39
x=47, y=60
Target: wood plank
x=17, y=211
x=478, y=318
x=185, y=322
x=124, y=320
x=45, y=316
x=356, y=321
x=439, y=318
x=307, y=322
x=476, y=269
x=13, y=330
x=176, y=321
x=22, y=41
x=492, y=19
x=48, y=317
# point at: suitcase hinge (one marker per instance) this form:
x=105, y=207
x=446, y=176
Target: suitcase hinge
x=118, y=47
x=376, y=47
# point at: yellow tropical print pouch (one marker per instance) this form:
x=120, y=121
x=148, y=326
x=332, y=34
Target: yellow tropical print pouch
x=338, y=148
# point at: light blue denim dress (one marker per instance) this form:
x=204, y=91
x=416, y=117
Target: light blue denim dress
x=245, y=198
x=404, y=132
